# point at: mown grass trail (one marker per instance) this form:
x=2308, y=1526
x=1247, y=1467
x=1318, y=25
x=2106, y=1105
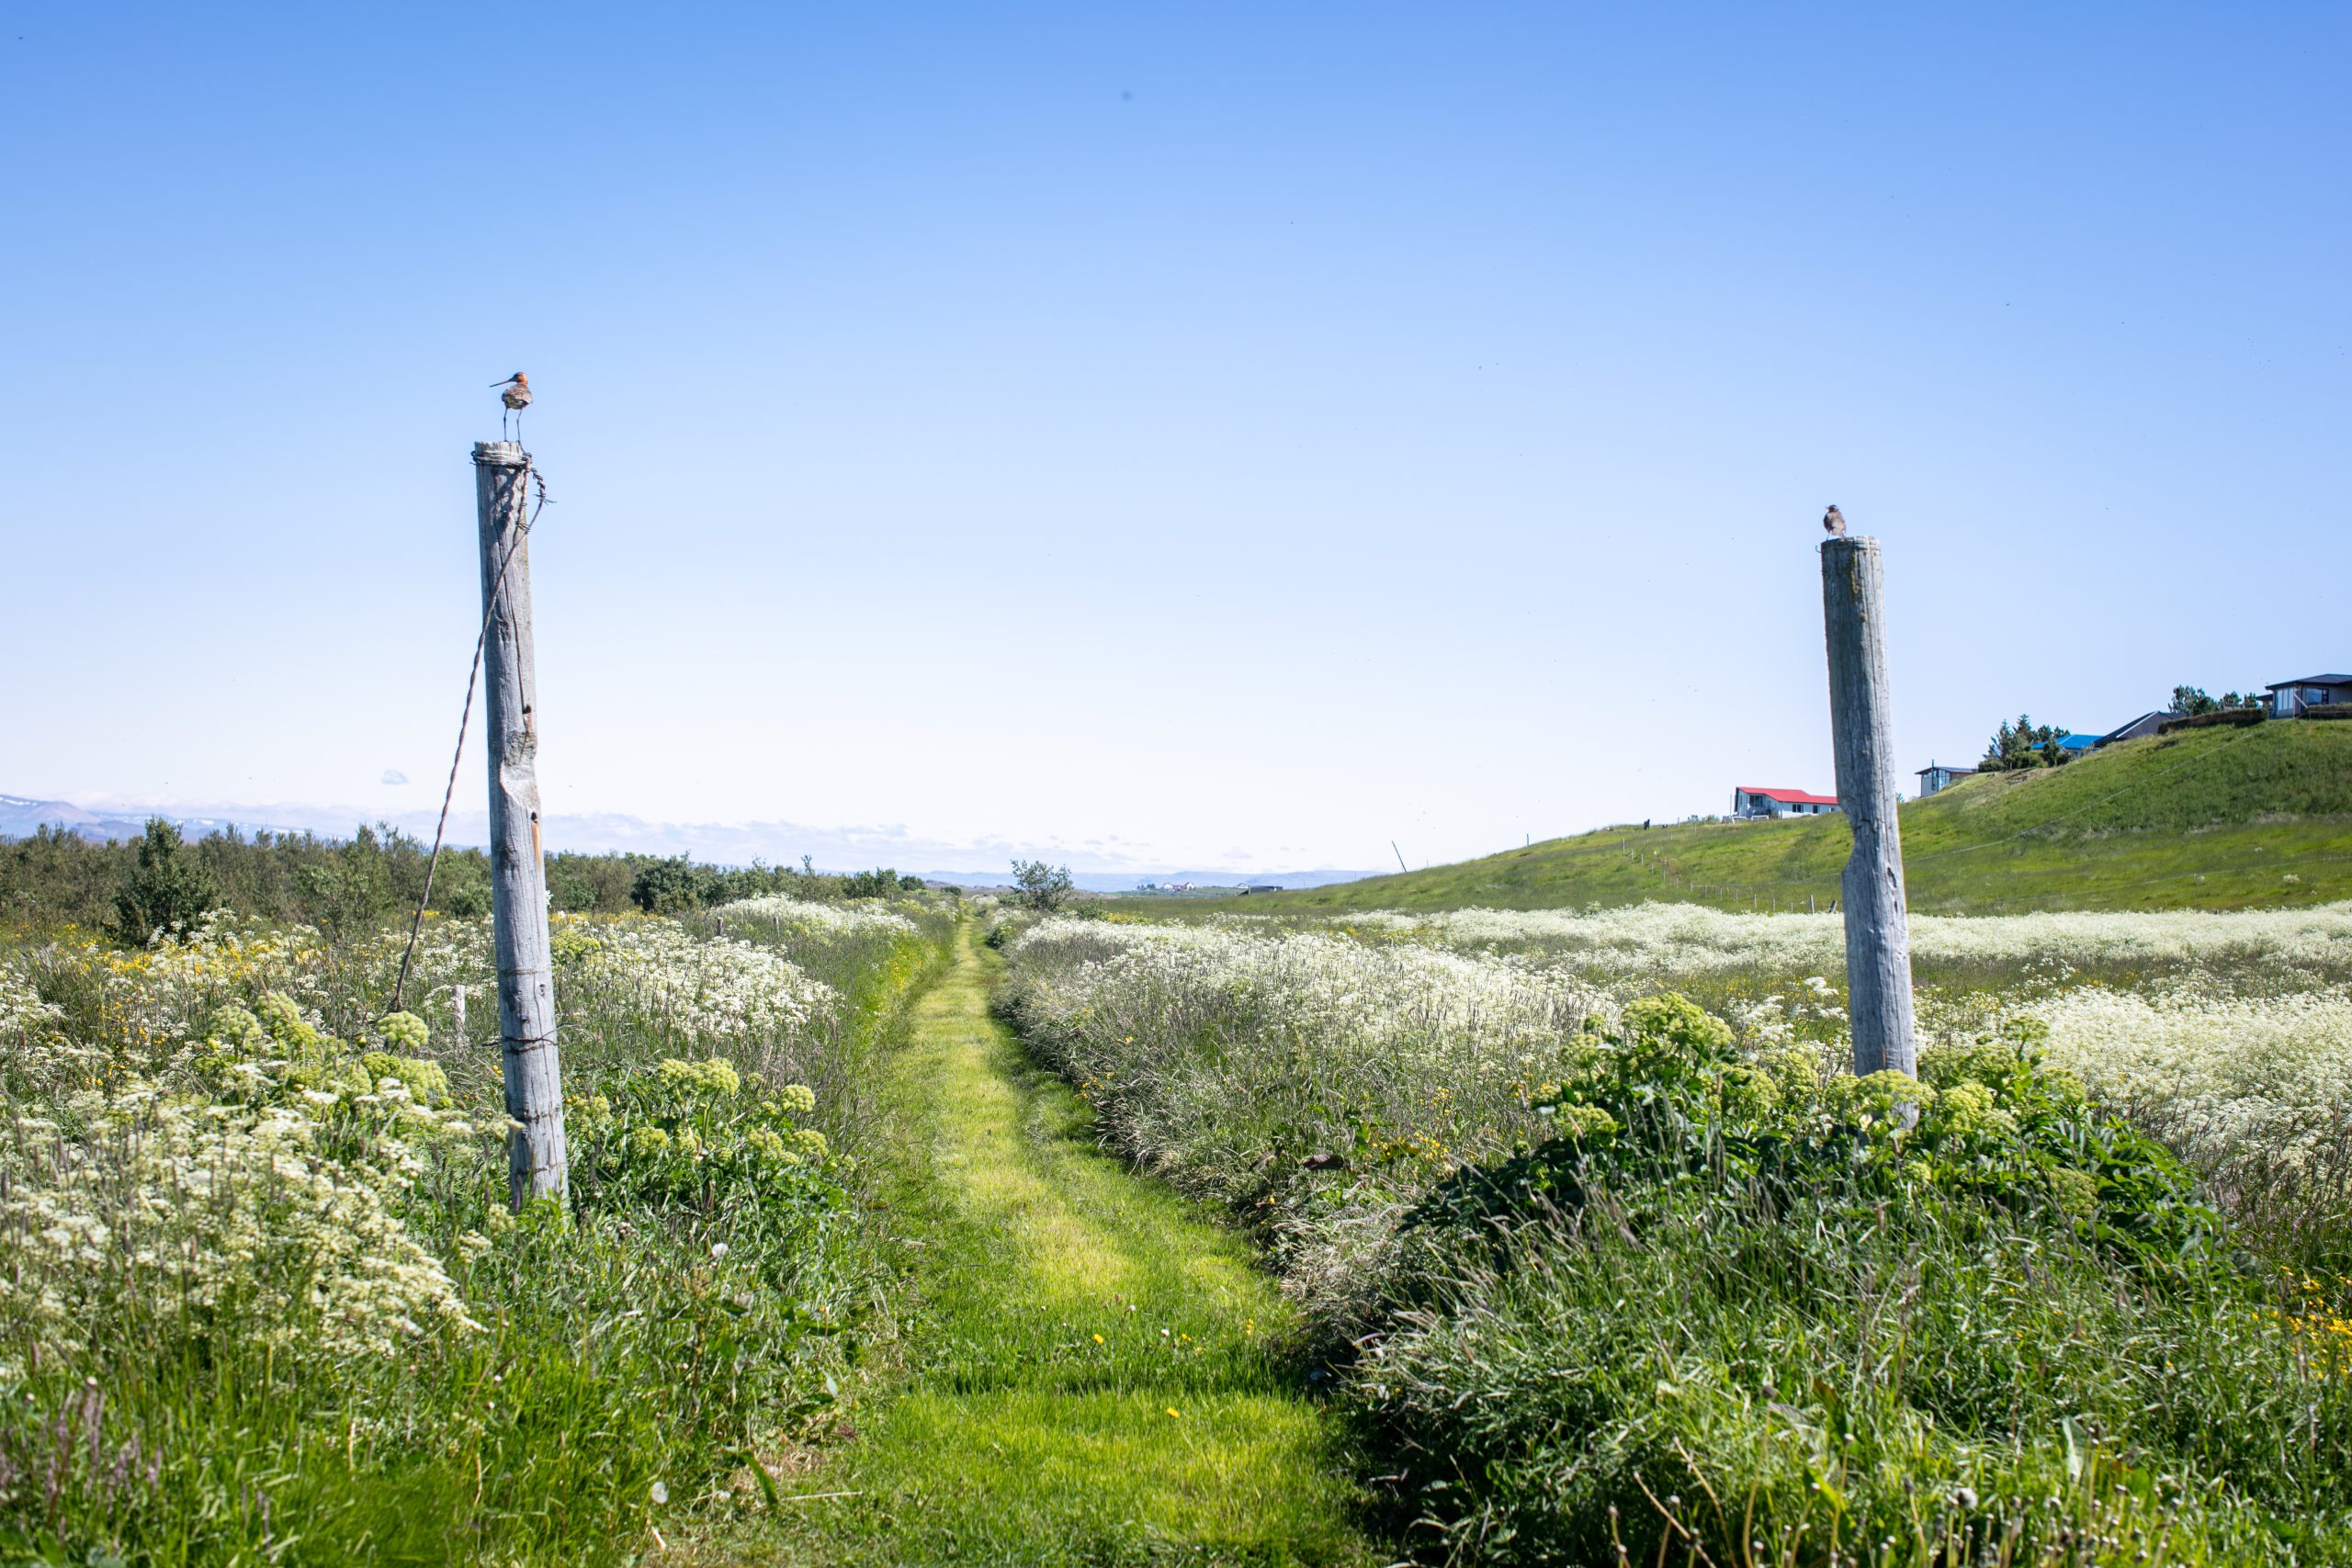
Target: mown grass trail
x=1094, y=1377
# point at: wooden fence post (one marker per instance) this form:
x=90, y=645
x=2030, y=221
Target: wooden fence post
x=1878, y=936
x=536, y=1154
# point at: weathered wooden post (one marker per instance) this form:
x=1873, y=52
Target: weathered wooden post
x=536, y=1154
x=1878, y=936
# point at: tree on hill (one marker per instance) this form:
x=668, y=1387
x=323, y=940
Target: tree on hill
x=2193, y=700
x=2025, y=744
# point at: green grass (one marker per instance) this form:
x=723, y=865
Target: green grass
x=1632, y=1284
x=1093, y=1374
x=196, y=1393
x=2212, y=818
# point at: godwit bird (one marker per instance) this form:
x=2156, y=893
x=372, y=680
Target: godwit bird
x=1833, y=522
x=517, y=396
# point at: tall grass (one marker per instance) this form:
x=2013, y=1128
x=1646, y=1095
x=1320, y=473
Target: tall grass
x=261, y=1299
x=2014, y=1331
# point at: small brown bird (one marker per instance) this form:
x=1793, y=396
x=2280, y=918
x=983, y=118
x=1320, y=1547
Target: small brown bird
x=517, y=396
x=1833, y=522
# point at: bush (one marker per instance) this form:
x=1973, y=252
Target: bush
x=166, y=889
x=587, y=885
x=1753, y=1310
x=1663, y=1099
x=461, y=886
x=670, y=887
x=882, y=883
x=1042, y=888
x=2236, y=717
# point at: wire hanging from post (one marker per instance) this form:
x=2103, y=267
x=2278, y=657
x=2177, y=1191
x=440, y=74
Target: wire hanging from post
x=464, y=716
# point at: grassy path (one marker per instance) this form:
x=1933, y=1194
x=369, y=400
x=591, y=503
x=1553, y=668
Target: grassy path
x=1093, y=1381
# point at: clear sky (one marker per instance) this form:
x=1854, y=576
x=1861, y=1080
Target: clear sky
x=1155, y=435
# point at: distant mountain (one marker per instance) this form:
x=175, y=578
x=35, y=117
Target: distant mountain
x=1128, y=881
x=1286, y=879
x=777, y=842
x=21, y=817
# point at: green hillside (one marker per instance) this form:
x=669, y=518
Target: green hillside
x=2209, y=819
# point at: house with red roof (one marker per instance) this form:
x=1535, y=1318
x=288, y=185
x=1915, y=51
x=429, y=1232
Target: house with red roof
x=1747, y=800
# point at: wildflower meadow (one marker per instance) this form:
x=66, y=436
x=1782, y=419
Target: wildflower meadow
x=264, y=1299
x=1605, y=1273
x=1524, y=1238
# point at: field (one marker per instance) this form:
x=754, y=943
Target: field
x=2204, y=820
x=1603, y=1267
x=833, y=1248
x=264, y=1298
x=905, y=1229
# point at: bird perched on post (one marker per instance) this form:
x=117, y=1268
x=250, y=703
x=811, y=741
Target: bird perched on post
x=1833, y=522
x=517, y=396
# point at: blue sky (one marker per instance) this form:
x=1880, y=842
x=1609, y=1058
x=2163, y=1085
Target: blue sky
x=1231, y=435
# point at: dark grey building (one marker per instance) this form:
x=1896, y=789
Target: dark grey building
x=2290, y=698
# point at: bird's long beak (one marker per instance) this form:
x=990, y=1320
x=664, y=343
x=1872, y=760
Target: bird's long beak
x=509, y=381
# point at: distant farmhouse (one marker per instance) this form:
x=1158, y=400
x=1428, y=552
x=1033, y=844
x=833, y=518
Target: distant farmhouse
x=1938, y=775
x=1747, y=800
x=2293, y=699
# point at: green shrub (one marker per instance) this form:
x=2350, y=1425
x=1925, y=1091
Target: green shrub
x=670, y=887
x=1774, y=1314
x=166, y=889
x=882, y=883
x=1662, y=1100
x=461, y=887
